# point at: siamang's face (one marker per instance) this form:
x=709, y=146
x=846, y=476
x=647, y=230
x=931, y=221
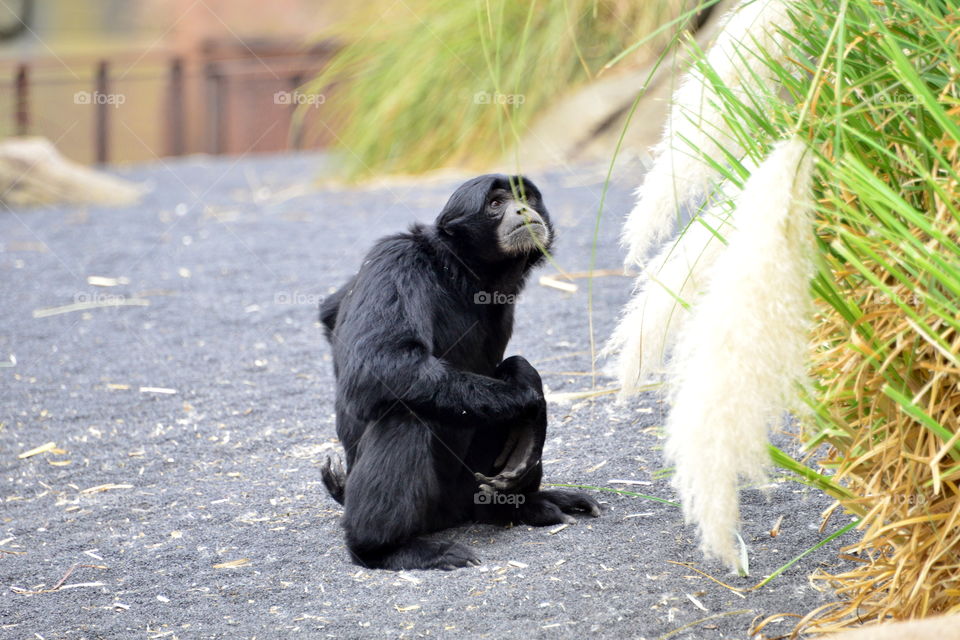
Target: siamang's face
x=497, y=217
x=521, y=227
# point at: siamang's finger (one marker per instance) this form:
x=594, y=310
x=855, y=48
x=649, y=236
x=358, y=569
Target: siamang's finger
x=508, y=447
x=488, y=484
x=500, y=482
x=507, y=482
x=524, y=457
x=483, y=479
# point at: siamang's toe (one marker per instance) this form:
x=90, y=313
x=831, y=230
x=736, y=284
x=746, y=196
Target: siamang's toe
x=592, y=507
x=334, y=477
x=583, y=504
x=456, y=556
x=334, y=466
x=573, y=502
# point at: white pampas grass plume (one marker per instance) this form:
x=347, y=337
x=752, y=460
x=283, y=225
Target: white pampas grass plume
x=655, y=312
x=743, y=349
x=697, y=128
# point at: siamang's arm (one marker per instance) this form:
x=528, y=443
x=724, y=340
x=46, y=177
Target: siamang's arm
x=409, y=377
x=442, y=392
x=330, y=307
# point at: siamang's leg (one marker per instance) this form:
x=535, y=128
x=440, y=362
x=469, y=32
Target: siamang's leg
x=350, y=431
x=520, y=454
x=521, y=499
x=393, y=495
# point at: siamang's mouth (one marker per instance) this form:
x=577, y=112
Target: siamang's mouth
x=533, y=227
x=526, y=237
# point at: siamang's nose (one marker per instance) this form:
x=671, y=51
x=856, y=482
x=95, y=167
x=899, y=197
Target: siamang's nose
x=522, y=211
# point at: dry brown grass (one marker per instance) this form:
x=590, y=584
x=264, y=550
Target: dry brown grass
x=902, y=468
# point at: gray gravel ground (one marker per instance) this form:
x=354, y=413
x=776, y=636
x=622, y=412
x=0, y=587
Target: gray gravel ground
x=200, y=513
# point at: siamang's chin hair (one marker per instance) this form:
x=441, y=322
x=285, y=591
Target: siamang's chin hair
x=529, y=240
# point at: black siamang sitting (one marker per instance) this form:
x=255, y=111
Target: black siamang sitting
x=439, y=429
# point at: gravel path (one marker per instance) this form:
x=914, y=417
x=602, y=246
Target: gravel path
x=189, y=423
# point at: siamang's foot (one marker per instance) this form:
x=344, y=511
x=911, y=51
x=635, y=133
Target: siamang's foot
x=545, y=508
x=417, y=554
x=456, y=556
x=334, y=477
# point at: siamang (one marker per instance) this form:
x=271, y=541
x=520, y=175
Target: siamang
x=437, y=427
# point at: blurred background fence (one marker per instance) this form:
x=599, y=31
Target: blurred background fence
x=159, y=78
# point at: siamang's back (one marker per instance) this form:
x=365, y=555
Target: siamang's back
x=420, y=277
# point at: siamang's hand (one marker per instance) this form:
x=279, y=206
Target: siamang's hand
x=518, y=371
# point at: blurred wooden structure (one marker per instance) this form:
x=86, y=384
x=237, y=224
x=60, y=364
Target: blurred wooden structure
x=228, y=97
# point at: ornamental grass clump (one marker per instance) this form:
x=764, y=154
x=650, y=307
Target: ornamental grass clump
x=873, y=88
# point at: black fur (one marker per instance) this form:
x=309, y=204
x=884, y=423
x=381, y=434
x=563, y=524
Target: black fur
x=424, y=400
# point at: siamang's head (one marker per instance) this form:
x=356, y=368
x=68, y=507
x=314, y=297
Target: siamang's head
x=496, y=218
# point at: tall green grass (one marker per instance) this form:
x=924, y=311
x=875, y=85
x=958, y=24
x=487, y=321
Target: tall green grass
x=424, y=84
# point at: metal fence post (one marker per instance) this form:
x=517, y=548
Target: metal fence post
x=216, y=108
x=22, y=107
x=101, y=106
x=175, y=119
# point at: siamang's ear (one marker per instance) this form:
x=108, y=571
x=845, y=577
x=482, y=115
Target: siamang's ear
x=469, y=199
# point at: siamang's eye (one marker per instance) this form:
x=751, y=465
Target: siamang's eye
x=495, y=203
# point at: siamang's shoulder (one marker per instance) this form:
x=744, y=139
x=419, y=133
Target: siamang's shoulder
x=403, y=253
